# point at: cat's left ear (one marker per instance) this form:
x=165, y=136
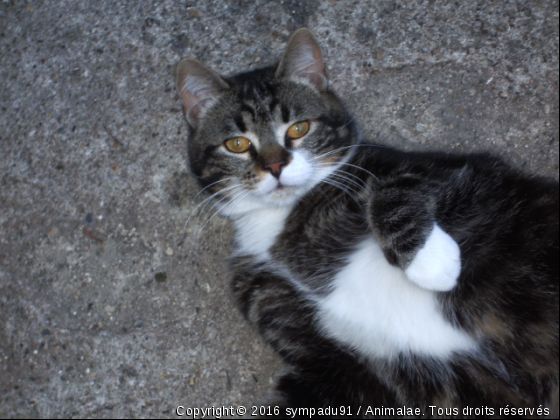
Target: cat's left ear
x=302, y=61
x=199, y=87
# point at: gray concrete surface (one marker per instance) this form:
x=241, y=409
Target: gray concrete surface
x=111, y=304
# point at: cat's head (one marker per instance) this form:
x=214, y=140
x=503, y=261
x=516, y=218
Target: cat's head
x=266, y=137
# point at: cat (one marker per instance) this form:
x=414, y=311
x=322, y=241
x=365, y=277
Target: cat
x=385, y=280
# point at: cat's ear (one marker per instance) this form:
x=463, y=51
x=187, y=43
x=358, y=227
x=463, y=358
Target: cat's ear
x=199, y=87
x=302, y=61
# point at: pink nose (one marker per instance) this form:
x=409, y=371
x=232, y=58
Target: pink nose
x=275, y=168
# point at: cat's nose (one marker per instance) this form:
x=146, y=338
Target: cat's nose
x=275, y=167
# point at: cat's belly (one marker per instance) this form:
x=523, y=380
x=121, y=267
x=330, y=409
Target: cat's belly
x=374, y=309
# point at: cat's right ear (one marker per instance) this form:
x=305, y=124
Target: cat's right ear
x=302, y=61
x=199, y=87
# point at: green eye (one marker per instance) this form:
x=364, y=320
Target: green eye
x=238, y=144
x=298, y=130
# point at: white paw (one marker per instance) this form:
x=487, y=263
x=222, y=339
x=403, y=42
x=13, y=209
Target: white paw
x=438, y=264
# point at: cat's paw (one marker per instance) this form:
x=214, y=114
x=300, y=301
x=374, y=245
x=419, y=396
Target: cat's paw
x=438, y=264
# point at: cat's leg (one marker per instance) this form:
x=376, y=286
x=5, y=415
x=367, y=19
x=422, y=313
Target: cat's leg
x=283, y=318
x=403, y=219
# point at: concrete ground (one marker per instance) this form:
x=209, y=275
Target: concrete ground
x=113, y=303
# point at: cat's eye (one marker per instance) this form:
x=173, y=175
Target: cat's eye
x=298, y=130
x=238, y=144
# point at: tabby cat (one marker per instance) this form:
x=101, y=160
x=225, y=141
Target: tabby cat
x=387, y=281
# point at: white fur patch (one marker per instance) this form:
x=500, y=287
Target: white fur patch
x=376, y=310
x=296, y=179
x=280, y=133
x=259, y=215
x=297, y=173
x=256, y=231
x=438, y=264
x=268, y=183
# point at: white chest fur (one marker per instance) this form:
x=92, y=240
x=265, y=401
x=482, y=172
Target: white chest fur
x=376, y=310
x=257, y=231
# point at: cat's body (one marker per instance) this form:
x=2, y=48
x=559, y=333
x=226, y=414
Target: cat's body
x=474, y=346
x=382, y=278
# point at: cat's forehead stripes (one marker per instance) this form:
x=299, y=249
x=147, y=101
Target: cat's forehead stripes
x=262, y=113
x=240, y=123
x=260, y=99
x=285, y=113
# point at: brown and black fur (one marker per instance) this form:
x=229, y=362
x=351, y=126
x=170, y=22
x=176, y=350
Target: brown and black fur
x=506, y=225
x=508, y=292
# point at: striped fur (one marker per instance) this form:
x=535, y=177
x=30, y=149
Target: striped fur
x=324, y=247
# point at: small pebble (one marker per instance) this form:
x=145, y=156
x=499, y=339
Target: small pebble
x=54, y=231
x=547, y=109
x=161, y=277
x=138, y=323
x=421, y=128
x=169, y=251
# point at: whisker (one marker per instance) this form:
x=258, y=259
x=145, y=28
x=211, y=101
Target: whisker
x=203, y=204
x=239, y=198
x=229, y=192
x=332, y=152
x=361, y=169
x=328, y=165
x=348, y=187
x=348, y=174
x=217, y=209
x=222, y=191
x=348, y=147
x=212, y=184
x=344, y=178
x=208, y=198
x=342, y=188
x=350, y=120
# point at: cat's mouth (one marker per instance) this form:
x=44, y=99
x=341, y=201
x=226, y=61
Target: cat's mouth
x=283, y=189
x=282, y=194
